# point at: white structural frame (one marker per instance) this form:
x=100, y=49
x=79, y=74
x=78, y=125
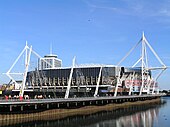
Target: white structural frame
x=27, y=50
x=98, y=82
x=27, y=62
x=149, y=85
x=131, y=83
x=144, y=61
x=70, y=78
x=119, y=82
x=8, y=73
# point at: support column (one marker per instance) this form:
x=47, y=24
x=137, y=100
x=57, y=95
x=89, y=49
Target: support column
x=25, y=73
x=143, y=69
x=67, y=105
x=131, y=84
x=10, y=108
x=35, y=106
x=69, y=81
x=76, y=104
x=47, y=106
x=98, y=82
x=58, y=105
x=159, y=74
x=22, y=107
x=119, y=82
x=148, y=90
x=96, y=102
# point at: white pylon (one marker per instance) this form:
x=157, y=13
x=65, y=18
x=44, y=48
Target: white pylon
x=118, y=82
x=25, y=73
x=8, y=73
x=70, y=78
x=27, y=50
x=144, y=61
x=98, y=82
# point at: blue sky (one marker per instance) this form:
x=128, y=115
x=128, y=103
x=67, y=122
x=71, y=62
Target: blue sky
x=95, y=31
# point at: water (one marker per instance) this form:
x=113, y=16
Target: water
x=136, y=116
x=163, y=118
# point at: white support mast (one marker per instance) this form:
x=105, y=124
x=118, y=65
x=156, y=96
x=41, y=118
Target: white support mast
x=156, y=78
x=8, y=73
x=137, y=62
x=98, y=82
x=142, y=66
x=69, y=81
x=27, y=50
x=132, y=81
x=149, y=84
x=26, y=71
x=26, y=55
x=144, y=61
x=131, y=50
x=26, y=47
x=153, y=51
x=119, y=82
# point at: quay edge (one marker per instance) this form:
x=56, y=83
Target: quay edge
x=62, y=112
x=37, y=105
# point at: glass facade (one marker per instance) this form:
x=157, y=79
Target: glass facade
x=88, y=77
x=81, y=76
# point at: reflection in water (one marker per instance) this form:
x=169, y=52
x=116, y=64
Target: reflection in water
x=143, y=119
x=139, y=119
x=135, y=116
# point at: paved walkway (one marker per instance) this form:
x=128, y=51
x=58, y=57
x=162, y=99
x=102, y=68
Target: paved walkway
x=62, y=100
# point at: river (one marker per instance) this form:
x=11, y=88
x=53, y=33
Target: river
x=135, y=116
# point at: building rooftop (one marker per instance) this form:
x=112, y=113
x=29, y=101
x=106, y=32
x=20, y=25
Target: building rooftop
x=51, y=55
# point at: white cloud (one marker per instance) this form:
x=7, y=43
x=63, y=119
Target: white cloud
x=150, y=11
x=164, y=12
x=134, y=7
x=96, y=5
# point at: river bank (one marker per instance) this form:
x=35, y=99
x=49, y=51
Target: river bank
x=9, y=119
